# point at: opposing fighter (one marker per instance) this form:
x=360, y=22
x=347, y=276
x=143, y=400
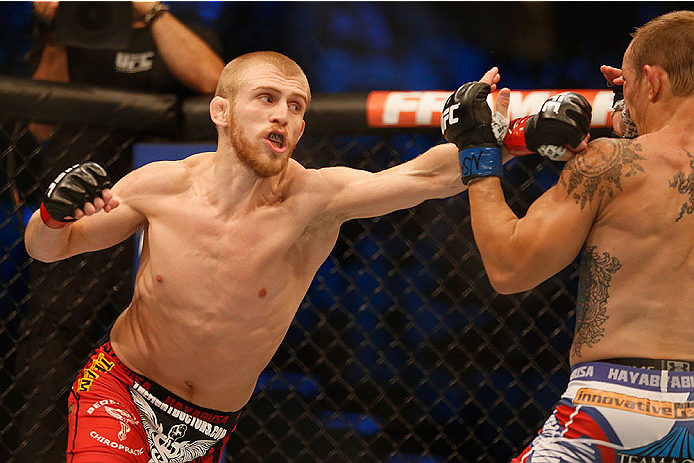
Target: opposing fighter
x=232, y=240
x=628, y=205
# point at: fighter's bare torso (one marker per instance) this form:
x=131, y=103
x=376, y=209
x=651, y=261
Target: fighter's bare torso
x=637, y=270
x=217, y=289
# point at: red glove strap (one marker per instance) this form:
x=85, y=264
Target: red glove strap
x=50, y=221
x=514, y=141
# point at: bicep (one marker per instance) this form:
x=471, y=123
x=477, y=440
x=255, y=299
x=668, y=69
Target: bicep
x=552, y=232
x=361, y=194
x=104, y=229
x=356, y=194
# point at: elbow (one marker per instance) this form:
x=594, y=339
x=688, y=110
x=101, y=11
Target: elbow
x=207, y=83
x=506, y=282
x=207, y=86
x=37, y=254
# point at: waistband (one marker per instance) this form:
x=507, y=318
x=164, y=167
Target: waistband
x=652, y=364
x=165, y=399
x=639, y=378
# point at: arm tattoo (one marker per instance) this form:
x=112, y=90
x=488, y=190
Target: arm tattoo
x=594, y=278
x=685, y=186
x=588, y=181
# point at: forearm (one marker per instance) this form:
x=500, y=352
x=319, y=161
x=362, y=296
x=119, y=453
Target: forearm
x=441, y=166
x=186, y=55
x=52, y=67
x=44, y=243
x=494, y=226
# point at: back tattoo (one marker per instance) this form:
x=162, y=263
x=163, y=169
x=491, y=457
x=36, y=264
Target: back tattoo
x=594, y=278
x=685, y=186
x=593, y=181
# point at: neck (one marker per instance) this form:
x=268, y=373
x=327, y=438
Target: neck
x=671, y=115
x=233, y=186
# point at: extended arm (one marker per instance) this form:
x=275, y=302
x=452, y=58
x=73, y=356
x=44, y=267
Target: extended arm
x=359, y=194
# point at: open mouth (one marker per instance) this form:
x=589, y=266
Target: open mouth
x=276, y=139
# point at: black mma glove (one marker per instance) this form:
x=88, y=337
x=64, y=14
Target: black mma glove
x=563, y=119
x=466, y=121
x=618, y=105
x=80, y=184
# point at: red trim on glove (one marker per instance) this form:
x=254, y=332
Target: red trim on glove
x=514, y=141
x=50, y=221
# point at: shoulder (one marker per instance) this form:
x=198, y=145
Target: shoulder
x=156, y=178
x=606, y=154
x=602, y=169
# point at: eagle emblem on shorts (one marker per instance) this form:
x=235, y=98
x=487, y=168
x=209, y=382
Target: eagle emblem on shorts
x=168, y=446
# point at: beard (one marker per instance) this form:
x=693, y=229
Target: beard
x=253, y=156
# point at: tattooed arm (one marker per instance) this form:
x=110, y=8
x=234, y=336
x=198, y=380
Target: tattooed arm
x=520, y=253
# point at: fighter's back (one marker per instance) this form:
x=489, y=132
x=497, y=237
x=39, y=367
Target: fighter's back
x=637, y=268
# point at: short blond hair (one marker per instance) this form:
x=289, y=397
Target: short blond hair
x=667, y=41
x=234, y=71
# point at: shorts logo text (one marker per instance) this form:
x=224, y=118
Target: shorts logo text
x=100, y=365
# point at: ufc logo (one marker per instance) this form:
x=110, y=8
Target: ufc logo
x=553, y=104
x=447, y=117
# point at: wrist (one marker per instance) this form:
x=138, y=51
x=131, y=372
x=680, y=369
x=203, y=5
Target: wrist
x=479, y=162
x=49, y=221
x=157, y=10
x=515, y=140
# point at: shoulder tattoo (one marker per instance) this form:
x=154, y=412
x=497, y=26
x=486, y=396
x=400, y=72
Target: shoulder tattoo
x=594, y=276
x=601, y=176
x=685, y=186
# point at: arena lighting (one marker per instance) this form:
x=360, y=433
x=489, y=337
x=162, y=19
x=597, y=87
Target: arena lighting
x=94, y=25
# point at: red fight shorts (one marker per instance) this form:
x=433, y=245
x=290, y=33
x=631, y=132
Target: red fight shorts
x=613, y=413
x=118, y=416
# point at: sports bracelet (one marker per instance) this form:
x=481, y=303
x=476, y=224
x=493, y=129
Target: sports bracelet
x=157, y=10
x=481, y=161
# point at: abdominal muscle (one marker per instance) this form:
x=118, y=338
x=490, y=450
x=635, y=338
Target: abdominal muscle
x=209, y=355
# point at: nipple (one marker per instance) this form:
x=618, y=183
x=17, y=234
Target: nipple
x=160, y=278
x=262, y=292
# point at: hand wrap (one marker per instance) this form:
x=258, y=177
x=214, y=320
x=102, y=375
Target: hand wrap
x=564, y=119
x=80, y=184
x=466, y=121
x=630, y=130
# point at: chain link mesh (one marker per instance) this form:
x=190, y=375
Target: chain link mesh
x=400, y=352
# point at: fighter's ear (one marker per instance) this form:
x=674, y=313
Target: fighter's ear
x=219, y=111
x=656, y=78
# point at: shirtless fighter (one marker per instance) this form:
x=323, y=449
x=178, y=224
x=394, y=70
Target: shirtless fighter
x=232, y=240
x=628, y=204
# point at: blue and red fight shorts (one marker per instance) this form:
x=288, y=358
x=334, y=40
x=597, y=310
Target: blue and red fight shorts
x=612, y=412
x=118, y=416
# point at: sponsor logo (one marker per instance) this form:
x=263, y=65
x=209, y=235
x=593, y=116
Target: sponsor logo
x=582, y=372
x=89, y=374
x=196, y=422
x=131, y=63
x=125, y=418
x=114, y=409
x=674, y=365
x=649, y=379
x=423, y=109
x=615, y=400
x=116, y=445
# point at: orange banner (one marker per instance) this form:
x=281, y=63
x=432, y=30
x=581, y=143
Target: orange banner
x=423, y=108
